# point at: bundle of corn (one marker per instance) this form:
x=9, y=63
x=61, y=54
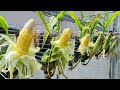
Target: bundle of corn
x=60, y=53
x=104, y=46
x=20, y=55
x=109, y=45
x=85, y=47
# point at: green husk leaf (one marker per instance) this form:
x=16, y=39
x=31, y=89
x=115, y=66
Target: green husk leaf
x=64, y=62
x=2, y=63
x=66, y=53
x=20, y=70
x=52, y=21
x=56, y=50
x=46, y=56
x=45, y=36
x=116, y=56
x=55, y=57
x=61, y=69
x=87, y=24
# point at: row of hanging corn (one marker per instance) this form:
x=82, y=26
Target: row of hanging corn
x=20, y=54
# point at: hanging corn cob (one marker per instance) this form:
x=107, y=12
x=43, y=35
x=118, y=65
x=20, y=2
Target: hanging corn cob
x=84, y=44
x=20, y=56
x=114, y=43
x=60, y=53
x=65, y=37
x=106, y=43
x=96, y=46
x=25, y=38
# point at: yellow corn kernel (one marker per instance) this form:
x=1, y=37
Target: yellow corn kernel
x=65, y=37
x=25, y=38
x=84, y=44
x=85, y=41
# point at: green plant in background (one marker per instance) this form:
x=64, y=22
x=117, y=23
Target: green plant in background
x=83, y=17
x=110, y=20
x=3, y=24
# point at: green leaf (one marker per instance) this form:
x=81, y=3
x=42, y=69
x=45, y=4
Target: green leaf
x=52, y=22
x=41, y=16
x=45, y=36
x=85, y=31
x=3, y=24
x=64, y=62
x=2, y=63
x=60, y=15
x=101, y=24
x=95, y=22
x=56, y=54
x=87, y=24
x=61, y=69
x=106, y=16
x=110, y=20
x=76, y=19
x=46, y=56
x=83, y=17
x=116, y=56
x=55, y=50
x=47, y=31
x=1, y=56
x=55, y=57
x=66, y=54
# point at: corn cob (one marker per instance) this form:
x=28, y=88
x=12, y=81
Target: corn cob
x=97, y=43
x=106, y=43
x=65, y=37
x=113, y=45
x=25, y=38
x=96, y=46
x=84, y=44
x=85, y=41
